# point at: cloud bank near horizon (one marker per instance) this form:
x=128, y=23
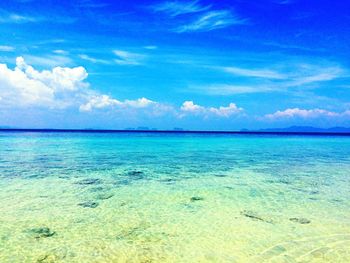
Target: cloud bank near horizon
x=62, y=88
x=65, y=87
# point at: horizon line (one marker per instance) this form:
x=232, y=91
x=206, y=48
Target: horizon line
x=248, y=132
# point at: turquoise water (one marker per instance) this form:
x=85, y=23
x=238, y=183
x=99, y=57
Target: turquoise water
x=141, y=197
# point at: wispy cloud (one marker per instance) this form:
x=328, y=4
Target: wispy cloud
x=281, y=78
x=91, y=4
x=128, y=58
x=6, y=48
x=60, y=52
x=302, y=74
x=51, y=41
x=228, y=89
x=175, y=8
x=48, y=60
x=284, y=2
x=93, y=60
x=290, y=46
x=16, y=18
x=150, y=47
x=6, y=17
x=311, y=74
x=210, y=21
x=258, y=73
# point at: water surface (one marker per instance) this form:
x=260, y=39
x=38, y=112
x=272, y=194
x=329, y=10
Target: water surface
x=153, y=197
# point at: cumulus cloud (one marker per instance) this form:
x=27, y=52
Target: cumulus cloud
x=137, y=107
x=139, y=103
x=222, y=111
x=59, y=87
x=59, y=78
x=306, y=114
x=190, y=108
x=104, y=101
x=99, y=102
x=24, y=85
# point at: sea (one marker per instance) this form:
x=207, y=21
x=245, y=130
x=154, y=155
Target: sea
x=174, y=197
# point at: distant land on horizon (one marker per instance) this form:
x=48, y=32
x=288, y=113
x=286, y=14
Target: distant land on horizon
x=306, y=129
x=291, y=129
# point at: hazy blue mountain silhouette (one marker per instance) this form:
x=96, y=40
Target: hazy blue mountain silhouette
x=306, y=129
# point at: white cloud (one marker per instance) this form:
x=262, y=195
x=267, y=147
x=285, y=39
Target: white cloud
x=311, y=74
x=139, y=103
x=59, y=78
x=306, y=114
x=226, y=89
x=293, y=75
x=61, y=87
x=25, y=86
x=211, y=20
x=93, y=60
x=259, y=73
x=289, y=77
x=222, y=111
x=175, y=8
x=48, y=61
x=128, y=58
x=16, y=18
x=17, y=89
x=64, y=87
x=208, y=19
x=104, y=101
x=60, y=52
x=143, y=105
x=6, y=48
x=189, y=108
x=99, y=102
x=150, y=47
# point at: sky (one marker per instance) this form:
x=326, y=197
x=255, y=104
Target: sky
x=198, y=65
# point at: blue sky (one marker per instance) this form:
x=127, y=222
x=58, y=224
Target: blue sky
x=216, y=65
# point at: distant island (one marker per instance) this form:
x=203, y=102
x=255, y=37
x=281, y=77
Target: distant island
x=288, y=130
x=307, y=129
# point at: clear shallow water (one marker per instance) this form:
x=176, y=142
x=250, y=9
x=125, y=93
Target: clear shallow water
x=131, y=197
